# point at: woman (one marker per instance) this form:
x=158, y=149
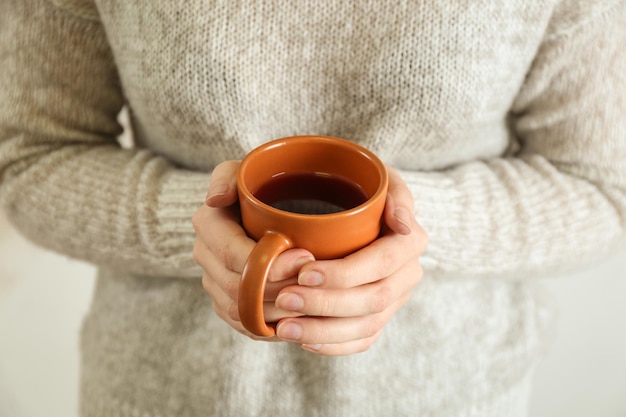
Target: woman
x=503, y=128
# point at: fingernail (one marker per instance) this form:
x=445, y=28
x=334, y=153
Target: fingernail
x=290, y=301
x=289, y=331
x=310, y=278
x=401, y=215
x=311, y=348
x=216, y=190
x=300, y=262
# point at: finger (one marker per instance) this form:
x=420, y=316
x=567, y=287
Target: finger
x=220, y=232
x=378, y=260
x=272, y=314
x=229, y=281
x=224, y=279
x=273, y=289
x=227, y=308
x=362, y=300
x=288, y=264
x=223, y=187
x=223, y=287
x=332, y=330
x=239, y=327
x=399, y=206
x=223, y=304
x=342, y=349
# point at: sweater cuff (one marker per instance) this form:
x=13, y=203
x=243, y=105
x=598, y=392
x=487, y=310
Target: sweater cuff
x=434, y=194
x=182, y=192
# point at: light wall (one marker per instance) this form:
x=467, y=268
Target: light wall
x=44, y=296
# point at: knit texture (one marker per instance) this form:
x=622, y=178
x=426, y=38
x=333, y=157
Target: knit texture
x=506, y=119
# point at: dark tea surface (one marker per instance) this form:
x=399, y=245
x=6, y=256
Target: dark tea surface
x=311, y=193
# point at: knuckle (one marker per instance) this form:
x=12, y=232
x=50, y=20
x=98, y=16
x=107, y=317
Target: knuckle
x=364, y=346
x=373, y=325
x=197, y=253
x=371, y=340
x=388, y=261
x=196, y=220
x=233, y=312
x=322, y=333
x=225, y=253
x=205, y=282
x=325, y=306
x=341, y=275
x=380, y=300
x=230, y=253
x=232, y=289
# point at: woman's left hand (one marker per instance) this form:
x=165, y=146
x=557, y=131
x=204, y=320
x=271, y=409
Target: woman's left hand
x=347, y=302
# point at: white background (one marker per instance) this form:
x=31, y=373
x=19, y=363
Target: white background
x=44, y=296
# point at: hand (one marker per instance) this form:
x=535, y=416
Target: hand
x=344, y=304
x=222, y=248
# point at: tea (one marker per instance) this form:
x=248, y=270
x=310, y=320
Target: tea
x=311, y=193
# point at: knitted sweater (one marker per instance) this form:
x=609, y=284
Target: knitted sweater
x=507, y=120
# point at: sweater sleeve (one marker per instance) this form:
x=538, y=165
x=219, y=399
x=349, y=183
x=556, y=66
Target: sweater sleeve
x=64, y=180
x=560, y=200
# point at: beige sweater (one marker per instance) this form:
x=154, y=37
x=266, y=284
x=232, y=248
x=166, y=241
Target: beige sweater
x=506, y=118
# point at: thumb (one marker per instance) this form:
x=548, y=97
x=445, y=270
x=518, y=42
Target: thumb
x=223, y=188
x=398, y=213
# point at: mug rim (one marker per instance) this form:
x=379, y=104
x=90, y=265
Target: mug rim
x=377, y=163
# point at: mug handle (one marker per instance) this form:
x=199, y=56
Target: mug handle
x=253, y=279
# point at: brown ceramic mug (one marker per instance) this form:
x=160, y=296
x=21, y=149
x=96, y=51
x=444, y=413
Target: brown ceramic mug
x=323, y=194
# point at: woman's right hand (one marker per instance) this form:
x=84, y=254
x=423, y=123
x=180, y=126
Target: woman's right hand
x=222, y=248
